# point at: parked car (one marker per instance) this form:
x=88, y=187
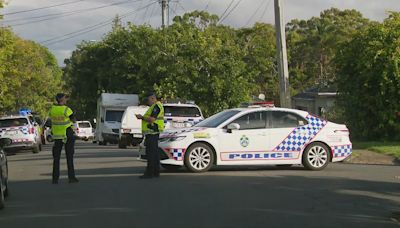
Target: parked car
x=4, y=190
x=23, y=132
x=181, y=115
x=83, y=130
x=256, y=136
x=131, y=127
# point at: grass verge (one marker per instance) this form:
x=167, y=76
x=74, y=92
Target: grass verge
x=391, y=148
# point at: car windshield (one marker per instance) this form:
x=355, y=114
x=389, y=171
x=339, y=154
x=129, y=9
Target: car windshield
x=217, y=119
x=13, y=122
x=84, y=125
x=112, y=115
x=179, y=111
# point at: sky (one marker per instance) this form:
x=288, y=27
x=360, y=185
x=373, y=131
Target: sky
x=80, y=20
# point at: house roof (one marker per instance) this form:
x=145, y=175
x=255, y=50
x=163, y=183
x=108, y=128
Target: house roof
x=313, y=92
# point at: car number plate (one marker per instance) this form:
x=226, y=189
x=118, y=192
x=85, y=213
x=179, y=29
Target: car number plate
x=178, y=125
x=137, y=135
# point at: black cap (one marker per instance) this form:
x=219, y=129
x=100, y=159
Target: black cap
x=60, y=95
x=149, y=94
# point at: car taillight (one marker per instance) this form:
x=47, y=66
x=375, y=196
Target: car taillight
x=77, y=130
x=31, y=130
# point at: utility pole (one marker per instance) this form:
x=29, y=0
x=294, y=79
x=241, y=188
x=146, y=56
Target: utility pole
x=165, y=13
x=283, y=68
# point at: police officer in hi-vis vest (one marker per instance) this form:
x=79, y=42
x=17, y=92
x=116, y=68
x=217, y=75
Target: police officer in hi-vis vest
x=152, y=126
x=62, y=118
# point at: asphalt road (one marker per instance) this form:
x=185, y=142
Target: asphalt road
x=111, y=195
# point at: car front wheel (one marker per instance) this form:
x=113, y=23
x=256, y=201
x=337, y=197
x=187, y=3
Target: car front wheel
x=316, y=156
x=199, y=158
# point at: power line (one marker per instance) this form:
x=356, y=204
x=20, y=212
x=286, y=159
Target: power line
x=44, y=7
x=64, y=14
x=152, y=13
x=226, y=10
x=255, y=12
x=233, y=9
x=57, y=16
x=79, y=32
x=265, y=11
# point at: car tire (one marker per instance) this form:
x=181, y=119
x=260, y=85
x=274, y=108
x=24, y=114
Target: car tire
x=121, y=145
x=199, y=158
x=2, y=198
x=172, y=168
x=36, y=149
x=316, y=156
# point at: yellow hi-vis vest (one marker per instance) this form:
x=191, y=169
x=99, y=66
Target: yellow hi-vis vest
x=59, y=115
x=159, y=120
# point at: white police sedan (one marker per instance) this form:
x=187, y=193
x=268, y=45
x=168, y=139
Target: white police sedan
x=256, y=136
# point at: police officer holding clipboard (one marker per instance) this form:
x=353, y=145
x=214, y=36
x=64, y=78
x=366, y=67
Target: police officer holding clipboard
x=152, y=126
x=62, y=118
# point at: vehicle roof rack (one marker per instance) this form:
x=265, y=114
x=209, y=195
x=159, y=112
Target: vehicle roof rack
x=178, y=101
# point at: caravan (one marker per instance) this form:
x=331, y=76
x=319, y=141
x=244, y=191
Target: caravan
x=110, y=108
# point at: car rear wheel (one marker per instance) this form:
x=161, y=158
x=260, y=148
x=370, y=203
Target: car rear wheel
x=199, y=158
x=316, y=156
x=121, y=145
x=36, y=149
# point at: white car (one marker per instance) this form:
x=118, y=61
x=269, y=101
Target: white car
x=181, y=115
x=256, y=136
x=23, y=132
x=83, y=130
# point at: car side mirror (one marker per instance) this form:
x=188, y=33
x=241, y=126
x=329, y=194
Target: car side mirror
x=301, y=123
x=5, y=142
x=233, y=126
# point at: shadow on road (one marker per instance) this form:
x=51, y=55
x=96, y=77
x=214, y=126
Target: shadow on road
x=181, y=200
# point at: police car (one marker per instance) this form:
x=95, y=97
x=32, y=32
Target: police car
x=22, y=130
x=256, y=136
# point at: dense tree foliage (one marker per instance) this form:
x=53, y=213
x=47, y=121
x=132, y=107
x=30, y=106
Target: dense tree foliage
x=29, y=74
x=194, y=59
x=369, y=80
x=313, y=43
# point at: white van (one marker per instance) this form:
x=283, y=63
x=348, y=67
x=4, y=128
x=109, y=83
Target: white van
x=181, y=115
x=131, y=127
x=110, y=108
x=83, y=130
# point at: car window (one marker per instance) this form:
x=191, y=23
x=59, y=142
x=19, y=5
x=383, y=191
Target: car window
x=84, y=125
x=282, y=119
x=113, y=115
x=254, y=120
x=217, y=119
x=17, y=122
x=179, y=111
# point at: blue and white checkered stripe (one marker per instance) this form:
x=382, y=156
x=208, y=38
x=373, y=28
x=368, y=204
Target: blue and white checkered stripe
x=342, y=151
x=192, y=121
x=24, y=130
x=301, y=136
x=177, y=154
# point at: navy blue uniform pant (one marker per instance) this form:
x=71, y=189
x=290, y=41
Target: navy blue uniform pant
x=152, y=154
x=69, y=152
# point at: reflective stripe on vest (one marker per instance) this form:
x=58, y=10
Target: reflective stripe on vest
x=159, y=120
